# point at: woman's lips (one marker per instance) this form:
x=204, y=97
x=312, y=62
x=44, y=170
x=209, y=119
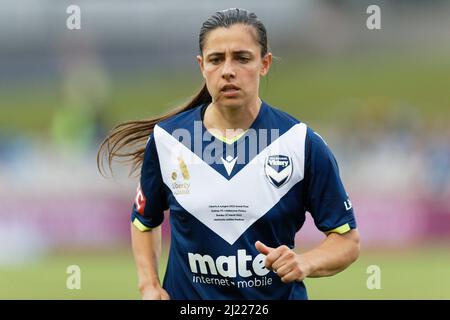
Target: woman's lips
x=230, y=90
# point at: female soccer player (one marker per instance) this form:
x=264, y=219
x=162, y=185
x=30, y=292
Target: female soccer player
x=237, y=175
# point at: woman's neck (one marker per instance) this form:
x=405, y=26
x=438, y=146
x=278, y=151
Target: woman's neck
x=227, y=120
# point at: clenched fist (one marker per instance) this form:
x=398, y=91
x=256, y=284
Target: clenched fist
x=288, y=265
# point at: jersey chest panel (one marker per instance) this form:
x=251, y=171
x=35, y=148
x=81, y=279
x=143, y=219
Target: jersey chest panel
x=230, y=207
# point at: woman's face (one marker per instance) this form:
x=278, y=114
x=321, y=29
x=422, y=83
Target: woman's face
x=232, y=65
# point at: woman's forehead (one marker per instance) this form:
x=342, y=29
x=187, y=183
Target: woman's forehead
x=238, y=37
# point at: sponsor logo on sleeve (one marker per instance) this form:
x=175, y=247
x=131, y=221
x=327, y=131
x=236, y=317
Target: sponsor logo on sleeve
x=140, y=200
x=348, y=204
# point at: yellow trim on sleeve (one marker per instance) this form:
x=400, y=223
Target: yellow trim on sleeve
x=342, y=229
x=140, y=225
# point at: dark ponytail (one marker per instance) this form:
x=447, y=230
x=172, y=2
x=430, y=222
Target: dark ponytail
x=127, y=140
x=134, y=134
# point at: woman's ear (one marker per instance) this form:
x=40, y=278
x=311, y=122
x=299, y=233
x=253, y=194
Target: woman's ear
x=266, y=63
x=200, y=64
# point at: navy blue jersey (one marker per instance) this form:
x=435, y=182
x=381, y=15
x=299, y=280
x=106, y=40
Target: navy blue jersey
x=223, y=196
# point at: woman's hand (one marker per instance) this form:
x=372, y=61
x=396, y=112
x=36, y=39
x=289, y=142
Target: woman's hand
x=154, y=293
x=287, y=264
x=333, y=255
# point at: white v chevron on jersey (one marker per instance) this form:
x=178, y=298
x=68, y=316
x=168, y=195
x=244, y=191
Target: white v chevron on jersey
x=248, y=195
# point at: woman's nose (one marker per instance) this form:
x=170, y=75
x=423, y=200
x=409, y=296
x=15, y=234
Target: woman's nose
x=228, y=70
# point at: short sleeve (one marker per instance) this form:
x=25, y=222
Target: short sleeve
x=325, y=195
x=150, y=202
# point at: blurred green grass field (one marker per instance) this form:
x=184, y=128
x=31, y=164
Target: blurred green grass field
x=421, y=273
x=315, y=90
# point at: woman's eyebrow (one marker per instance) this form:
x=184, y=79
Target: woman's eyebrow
x=215, y=54
x=238, y=52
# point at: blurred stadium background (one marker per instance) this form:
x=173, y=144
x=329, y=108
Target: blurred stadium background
x=380, y=98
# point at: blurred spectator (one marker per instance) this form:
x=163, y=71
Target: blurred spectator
x=85, y=89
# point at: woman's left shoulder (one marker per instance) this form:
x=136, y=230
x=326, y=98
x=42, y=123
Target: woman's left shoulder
x=281, y=116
